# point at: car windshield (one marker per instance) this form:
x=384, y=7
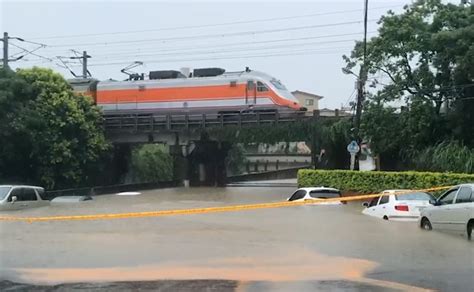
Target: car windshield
x=278, y=84
x=4, y=191
x=418, y=196
x=325, y=194
x=299, y=194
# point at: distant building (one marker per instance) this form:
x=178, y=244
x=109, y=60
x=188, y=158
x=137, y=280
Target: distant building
x=343, y=112
x=311, y=102
x=308, y=100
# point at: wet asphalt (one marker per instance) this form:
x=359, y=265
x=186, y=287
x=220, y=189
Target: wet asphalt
x=302, y=248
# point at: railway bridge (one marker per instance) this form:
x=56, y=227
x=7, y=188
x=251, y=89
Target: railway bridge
x=199, y=156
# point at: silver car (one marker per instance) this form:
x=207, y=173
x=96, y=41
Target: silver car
x=453, y=211
x=16, y=197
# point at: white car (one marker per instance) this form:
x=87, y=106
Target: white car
x=453, y=211
x=14, y=197
x=317, y=194
x=401, y=205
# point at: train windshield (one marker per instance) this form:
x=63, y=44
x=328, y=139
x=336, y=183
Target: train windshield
x=278, y=84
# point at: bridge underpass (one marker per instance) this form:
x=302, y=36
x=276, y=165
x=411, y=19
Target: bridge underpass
x=199, y=157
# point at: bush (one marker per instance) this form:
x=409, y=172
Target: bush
x=235, y=160
x=151, y=163
x=376, y=181
x=445, y=156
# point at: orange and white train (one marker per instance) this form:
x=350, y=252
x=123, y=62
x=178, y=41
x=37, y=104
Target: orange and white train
x=208, y=90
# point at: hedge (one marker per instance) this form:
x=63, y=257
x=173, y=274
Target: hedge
x=376, y=181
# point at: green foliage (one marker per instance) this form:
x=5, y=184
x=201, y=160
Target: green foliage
x=334, y=138
x=235, y=159
x=376, y=181
x=423, y=51
x=270, y=134
x=333, y=135
x=52, y=136
x=151, y=163
x=445, y=156
x=426, y=53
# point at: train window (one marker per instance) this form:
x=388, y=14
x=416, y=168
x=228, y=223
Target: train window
x=278, y=84
x=261, y=87
x=250, y=85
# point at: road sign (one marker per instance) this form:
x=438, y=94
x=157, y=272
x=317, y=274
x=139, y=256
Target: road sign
x=353, y=147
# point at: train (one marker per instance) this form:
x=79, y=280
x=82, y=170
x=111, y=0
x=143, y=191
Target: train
x=204, y=90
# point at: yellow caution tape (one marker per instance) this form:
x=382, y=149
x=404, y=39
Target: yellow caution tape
x=205, y=210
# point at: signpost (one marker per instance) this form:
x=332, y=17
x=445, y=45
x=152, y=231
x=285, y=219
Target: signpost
x=353, y=148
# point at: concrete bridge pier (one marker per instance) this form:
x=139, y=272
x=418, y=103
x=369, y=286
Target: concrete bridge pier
x=119, y=165
x=205, y=160
x=200, y=162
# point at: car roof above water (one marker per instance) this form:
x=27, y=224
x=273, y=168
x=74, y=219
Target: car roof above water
x=21, y=186
x=309, y=189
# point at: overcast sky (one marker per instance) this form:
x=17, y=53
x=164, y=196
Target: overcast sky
x=300, y=43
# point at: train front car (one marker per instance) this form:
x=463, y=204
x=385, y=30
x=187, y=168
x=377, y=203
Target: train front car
x=272, y=93
x=207, y=90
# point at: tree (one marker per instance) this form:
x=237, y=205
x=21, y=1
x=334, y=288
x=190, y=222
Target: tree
x=14, y=93
x=426, y=52
x=151, y=163
x=427, y=56
x=235, y=160
x=54, y=136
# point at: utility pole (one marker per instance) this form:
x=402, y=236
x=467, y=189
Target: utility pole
x=5, y=50
x=5, y=59
x=362, y=77
x=83, y=58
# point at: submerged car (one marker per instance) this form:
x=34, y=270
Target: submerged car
x=15, y=197
x=403, y=205
x=318, y=195
x=452, y=212
x=71, y=199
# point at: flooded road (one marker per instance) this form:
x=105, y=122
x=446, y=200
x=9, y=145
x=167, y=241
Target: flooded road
x=301, y=248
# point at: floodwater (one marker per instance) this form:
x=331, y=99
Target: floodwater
x=300, y=248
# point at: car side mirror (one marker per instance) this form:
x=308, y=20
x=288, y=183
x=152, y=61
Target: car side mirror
x=14, y=199
x=365, y=204
x=435, y=202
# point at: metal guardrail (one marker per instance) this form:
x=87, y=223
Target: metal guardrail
x=178, y=122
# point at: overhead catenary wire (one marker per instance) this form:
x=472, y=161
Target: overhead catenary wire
x=31, y=52
x=213, y=25
x=190, y=49
x=127, y=61
x=108, y=52
x=206, y=36
x=233, y=56
x=236, y=50
x=284, y=53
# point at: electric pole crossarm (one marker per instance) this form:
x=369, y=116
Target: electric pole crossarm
x=83, y=58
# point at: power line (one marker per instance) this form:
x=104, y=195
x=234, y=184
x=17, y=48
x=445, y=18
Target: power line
x=350, y=98
x=109, y=52
x=241, y=49
x=283, y=53
x=242, y=33
x=234, y=44
x=214, y=25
